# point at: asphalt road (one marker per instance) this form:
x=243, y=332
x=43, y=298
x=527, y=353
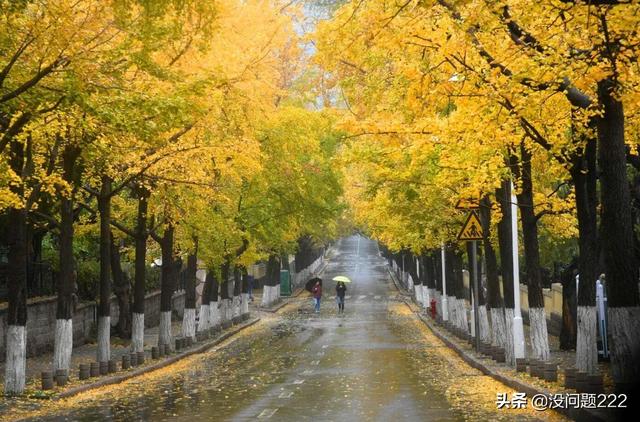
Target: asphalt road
x=371, y=363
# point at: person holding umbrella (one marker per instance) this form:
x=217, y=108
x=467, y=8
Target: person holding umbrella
x=341, y=289
x=317, y=295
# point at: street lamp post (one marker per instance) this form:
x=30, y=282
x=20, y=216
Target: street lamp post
x=518, y=330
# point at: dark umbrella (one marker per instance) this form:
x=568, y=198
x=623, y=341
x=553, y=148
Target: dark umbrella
x=309, y=285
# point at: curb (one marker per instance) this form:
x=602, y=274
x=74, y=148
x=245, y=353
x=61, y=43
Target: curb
x=573, y=413
x=399, y=287
x=137, y=372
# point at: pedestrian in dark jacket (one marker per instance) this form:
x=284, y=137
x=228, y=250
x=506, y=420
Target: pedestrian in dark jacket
x=317, y=295
x=341, y=289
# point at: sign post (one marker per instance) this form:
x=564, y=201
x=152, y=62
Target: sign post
x=472, y=232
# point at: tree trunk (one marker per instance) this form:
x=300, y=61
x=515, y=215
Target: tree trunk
x=104, y=305
x=142, y=234
x=204, y=317
x=122, y=290
x=451, y=285
x=168, y=286
x=494, y=297
x=568, y=332
x=63, y=338
x=412, y=269
x=237, y=291
x=245, y=293
x=428, y=278
x=583, y=173
x=537, y=319
x=617, y=240
x=483, y=319
x=189, y=315
x=269, y=292
x=214, y=305
x=440, y=297
x=225, y=298
x=460, y=305
x=16, y=340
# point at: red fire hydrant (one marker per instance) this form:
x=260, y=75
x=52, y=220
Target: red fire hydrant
x=433, y=308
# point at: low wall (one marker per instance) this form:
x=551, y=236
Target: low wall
x=41, y=321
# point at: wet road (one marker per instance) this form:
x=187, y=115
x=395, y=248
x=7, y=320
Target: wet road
x=375, y=362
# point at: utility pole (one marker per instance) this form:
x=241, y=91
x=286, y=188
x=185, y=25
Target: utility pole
x=518, y=330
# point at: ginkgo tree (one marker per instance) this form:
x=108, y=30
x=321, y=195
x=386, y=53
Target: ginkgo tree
x=541, y=83
x=148, y=121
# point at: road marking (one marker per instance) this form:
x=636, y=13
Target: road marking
x=315, y=362
x=267, y=413
x=362, y=296
x=347, y=297
x=307, y=372
x=298, y=382
x=286, y=394
x=377, y=297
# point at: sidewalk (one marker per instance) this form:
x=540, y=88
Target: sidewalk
x=87, y=354
x=520, y=381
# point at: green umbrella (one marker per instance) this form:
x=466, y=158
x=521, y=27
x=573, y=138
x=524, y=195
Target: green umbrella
x=342, y=278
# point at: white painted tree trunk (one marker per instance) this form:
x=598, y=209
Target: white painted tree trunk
x=236, y=307
x=164, y=333
x=137, y=332
x=624, y=328
x=538, y=334
x=451, y=300
x=418, y=294
x=62, y=344
x=464, y=321
x=409, y=282
x=483, y=324
x=214, y=314
x=455, y=311
x=265, y=296
x=189, y=323
x=223, y=310
x=229, y=309
x=508, y=336
x=245, y=304
x=104, y=339
x=498, y=331
x=204, y=320
x=586, y=340
x=16, y=359
x=458, y=308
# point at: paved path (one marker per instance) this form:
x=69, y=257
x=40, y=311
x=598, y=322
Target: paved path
x=375, y=362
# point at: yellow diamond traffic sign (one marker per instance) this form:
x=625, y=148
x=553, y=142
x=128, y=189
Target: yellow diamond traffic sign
x=472, y=229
